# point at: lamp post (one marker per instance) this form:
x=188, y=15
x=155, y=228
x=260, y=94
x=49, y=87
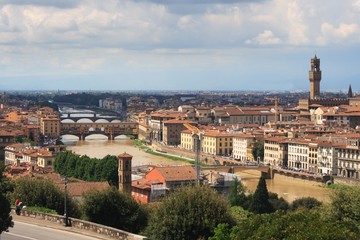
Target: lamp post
x=66, y=219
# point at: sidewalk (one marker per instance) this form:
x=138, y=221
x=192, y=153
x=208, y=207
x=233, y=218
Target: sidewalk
x=54, y=225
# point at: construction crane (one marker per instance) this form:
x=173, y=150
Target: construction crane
x=276, y=102
x=197, y=137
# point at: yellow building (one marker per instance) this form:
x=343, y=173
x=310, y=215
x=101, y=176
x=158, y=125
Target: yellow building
x=16, y=116
x=213, y=142
x=187, y=141
x=217, y=143
x=50, y=126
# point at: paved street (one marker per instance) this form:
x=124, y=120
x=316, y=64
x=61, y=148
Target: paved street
x=38, y=229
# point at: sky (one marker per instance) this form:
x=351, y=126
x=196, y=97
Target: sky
x=229, y=45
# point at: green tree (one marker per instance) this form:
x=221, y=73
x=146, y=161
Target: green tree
x=5, y=216
x=5, y=207
x=260, y=200
x=305, y=203
x=278, y=203
x=40, y=192
x=292, y=226
x=344, y=208
x=86, y=168
x=258, y=150
x=115, y=209
x=189, y=213
x=237, y=194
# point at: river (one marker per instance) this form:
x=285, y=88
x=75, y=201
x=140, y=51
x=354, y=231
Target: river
x=286, y=187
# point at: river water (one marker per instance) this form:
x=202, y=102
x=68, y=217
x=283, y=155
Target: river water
x=286, y=187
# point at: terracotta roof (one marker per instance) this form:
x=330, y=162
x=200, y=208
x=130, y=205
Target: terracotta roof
x=177, y=121
x=177, y=173
x=124, y=155
x=77, y=189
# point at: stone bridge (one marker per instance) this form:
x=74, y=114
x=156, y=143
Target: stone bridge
x=74, y=116
x=111, y=130
x=269, y=172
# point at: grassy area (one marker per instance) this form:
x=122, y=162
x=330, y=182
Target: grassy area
x=142, y=146
x=174, y=158
x=41, y=209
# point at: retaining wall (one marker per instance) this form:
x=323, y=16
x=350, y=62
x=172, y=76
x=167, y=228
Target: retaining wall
x=85, y=225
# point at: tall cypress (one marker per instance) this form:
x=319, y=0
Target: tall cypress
x=260, y=202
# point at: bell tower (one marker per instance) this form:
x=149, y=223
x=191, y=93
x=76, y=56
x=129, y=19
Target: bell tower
x=315, y=78
x=124, y=172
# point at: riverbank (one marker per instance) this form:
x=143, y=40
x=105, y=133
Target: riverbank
x=142, y=146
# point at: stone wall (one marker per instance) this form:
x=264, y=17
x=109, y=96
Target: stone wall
x=85, y=225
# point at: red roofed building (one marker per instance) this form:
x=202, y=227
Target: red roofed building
x=160, y=180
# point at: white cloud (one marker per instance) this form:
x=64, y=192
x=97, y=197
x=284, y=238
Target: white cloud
x=265, y=38
x=296, y=25
x=332, y=34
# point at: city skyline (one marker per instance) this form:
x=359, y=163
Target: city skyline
x=178, y=45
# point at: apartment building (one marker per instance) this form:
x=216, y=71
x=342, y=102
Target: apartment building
x=327, y=158
x=298, y=154
x=242, y=143
x=313, y=157
x=276, y=151
x=158, y=118
x=217, y=143
x=25, y=153
x=187, y=141
x=172, y=131
x=50, y=126
x=349, y=157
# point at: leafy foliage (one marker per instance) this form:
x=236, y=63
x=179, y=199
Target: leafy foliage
x=258, y=150
x=5, y=207
x=86, y=168
x=344, y=208
x=237, y=195
x=305, y=203
x=39, y=192
x=115, y=209
x=260, y=200
x=293, y=225
x=5, y=217
x=188, y=213
x=278, y=203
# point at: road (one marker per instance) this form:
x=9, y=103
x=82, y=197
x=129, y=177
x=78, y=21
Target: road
x=26, y=231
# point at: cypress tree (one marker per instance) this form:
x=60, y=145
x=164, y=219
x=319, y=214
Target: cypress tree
x=260, y=202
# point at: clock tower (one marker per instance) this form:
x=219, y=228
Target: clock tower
x=315, y=78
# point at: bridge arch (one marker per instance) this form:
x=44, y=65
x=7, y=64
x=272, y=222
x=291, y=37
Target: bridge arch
x=116, y=121
x=121, y=137
x=101, y=120
x=96, y=136
x=67, y=121
x=84, y=120
x=69, y=138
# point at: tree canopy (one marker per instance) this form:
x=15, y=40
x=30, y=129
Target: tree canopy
x=113, y=208
x=344, y=207
x=88, y=169
x=40, y=192
x=260, y=200
x=5, y=207
x=258, y=150
x=188, y=213
x=293, y=225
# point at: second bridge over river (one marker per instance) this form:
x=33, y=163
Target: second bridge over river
x=111, y=130
x=268, y=172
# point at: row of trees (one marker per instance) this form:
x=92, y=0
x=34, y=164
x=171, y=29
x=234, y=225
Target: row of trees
x=86, y=168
